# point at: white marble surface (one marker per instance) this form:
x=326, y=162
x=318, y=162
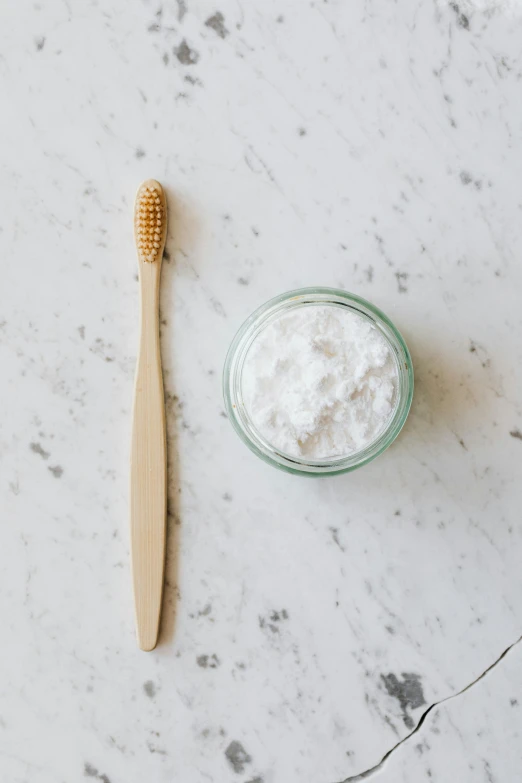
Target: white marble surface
x=308, y=624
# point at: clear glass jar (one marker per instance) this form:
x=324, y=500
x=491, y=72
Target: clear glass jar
x=249, y=331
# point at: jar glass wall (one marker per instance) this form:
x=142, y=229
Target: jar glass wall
x=250, y=330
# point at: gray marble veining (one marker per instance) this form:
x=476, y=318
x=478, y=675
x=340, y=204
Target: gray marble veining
x=308, y=624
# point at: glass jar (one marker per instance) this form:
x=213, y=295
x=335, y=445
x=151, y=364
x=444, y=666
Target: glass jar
x=249, y=331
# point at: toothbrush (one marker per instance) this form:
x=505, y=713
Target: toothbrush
x=148, y=494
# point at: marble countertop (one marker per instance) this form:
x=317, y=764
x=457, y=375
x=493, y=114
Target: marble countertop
x=311, y=627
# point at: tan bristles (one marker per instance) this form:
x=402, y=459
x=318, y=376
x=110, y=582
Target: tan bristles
x=150, y=221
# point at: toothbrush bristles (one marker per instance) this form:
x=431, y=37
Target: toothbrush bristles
x=149, y=218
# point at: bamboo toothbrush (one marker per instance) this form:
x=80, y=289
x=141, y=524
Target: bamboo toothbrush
x=148, y=455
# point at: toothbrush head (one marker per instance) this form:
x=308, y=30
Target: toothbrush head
x=150, y=221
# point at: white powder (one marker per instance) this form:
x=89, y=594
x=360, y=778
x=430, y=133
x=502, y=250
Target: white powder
x=319, y=381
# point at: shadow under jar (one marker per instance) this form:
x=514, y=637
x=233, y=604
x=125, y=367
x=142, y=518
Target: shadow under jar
x=249, y=332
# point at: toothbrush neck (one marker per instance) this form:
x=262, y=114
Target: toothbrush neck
x=149, y=284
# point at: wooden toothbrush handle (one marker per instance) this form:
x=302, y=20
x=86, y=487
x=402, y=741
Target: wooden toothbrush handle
x=148, y=498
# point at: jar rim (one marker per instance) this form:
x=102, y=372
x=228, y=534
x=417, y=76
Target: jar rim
x=248, y=332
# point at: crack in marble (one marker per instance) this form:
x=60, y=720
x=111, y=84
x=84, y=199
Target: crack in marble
x=367, y=773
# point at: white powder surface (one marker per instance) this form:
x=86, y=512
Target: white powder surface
x=320, y=381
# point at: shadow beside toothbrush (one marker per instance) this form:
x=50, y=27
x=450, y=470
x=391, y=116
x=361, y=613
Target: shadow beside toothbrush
x=179, y=239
